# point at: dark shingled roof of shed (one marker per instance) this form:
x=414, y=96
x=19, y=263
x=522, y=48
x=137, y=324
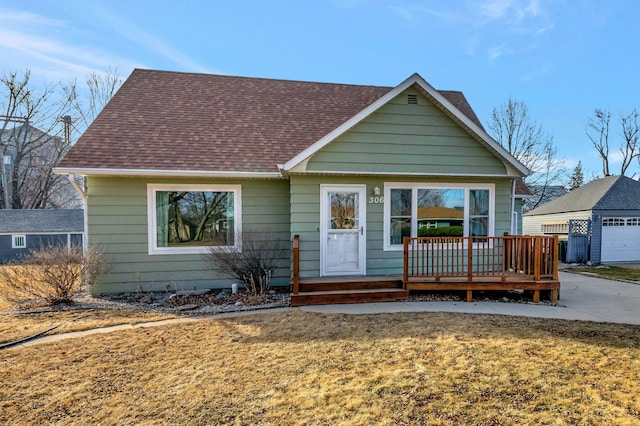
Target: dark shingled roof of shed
x=162, y=120
x=609, y=193
x=41, y=221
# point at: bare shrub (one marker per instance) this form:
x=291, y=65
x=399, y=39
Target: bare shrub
x=50, y=275
x=262, y=252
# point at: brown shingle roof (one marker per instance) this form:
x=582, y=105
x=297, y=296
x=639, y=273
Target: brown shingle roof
x=200, y=122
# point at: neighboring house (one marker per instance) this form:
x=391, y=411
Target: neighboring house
x=31, y=155
x=178, y=163
x=22, y=231
x=610, y=207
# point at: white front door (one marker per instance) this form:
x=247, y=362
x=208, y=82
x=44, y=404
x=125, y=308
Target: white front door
x=342, y=229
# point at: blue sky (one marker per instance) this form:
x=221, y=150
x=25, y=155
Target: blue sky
x=563, y=58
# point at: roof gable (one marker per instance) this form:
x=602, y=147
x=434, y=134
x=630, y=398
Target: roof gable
x=409, y=135
x=471, y=125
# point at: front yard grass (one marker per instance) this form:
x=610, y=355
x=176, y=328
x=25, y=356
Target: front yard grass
x=299, y=368
x=19, y=326
x=626, y=273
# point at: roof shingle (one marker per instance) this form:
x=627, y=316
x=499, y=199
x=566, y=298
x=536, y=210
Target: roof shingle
x=41, y=221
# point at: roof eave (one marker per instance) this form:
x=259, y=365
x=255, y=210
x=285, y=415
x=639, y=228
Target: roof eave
x=166, y=173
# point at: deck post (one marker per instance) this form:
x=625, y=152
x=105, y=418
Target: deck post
x=556, y=261
x=470, y=259
x=295, y=269
x=405, y=262
x=537, y=258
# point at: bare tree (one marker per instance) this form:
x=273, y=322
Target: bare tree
x=33, y=140
x=88, y=102
x=629, y=148
x=598, y=133
x=526, y=140
x=30, y=142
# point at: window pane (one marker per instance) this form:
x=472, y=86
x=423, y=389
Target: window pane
x=440, y=212
x=194, y=219
x=478, y=226
x=479, y=202
x=400, y=228
x=344, y=210
x=400, y=202
x=479, y=212
x=400, y=223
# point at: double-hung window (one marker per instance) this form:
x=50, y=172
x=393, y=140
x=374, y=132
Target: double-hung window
x=446, y=210
x=191, y=219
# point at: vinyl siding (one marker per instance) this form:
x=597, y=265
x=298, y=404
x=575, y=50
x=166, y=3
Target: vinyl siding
x=532, y=225
x=117, y=227
x=305, y=218
x=405, y=138
x=35, y=242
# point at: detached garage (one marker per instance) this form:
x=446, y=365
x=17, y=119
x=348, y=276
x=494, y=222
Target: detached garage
x=611, y=208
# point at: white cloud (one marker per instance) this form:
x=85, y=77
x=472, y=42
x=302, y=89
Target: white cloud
x=54, y=47
x=149, y=41
x=495, y=9
x=496, y=27
x=497, y=51
x=35, y=42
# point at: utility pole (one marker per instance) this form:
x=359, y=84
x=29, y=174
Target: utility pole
x=6, y=157
x=67, y=129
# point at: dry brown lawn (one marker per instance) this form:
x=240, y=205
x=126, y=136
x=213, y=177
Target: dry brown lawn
x=20, y=326
x=15, y=326
x=304, y=368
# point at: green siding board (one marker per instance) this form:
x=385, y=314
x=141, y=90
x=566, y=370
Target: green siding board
x=117, y=218
x=435, y=119
x=425, y=130
x=410, y=145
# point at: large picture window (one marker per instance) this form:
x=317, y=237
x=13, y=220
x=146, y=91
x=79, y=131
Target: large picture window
x=425, y=210
x=187, y=219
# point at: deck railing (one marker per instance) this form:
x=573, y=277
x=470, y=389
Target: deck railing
x=468, y=258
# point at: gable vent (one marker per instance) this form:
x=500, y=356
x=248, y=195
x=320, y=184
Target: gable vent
x=412, y=99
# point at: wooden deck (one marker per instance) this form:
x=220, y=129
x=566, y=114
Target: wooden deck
x=356, y=289
x=444, y=263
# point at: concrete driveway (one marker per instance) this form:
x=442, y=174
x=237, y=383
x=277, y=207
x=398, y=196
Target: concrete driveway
x=581, y=298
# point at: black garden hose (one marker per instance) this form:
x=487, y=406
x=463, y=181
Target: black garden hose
x=8, y=345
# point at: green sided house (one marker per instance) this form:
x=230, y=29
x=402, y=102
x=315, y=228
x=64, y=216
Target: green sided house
x=358, y=183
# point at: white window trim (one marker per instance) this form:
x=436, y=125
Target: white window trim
x=17, y=237
x=152, y=188
x=414, y=186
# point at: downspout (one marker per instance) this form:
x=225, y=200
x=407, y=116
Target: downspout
x=83, y=195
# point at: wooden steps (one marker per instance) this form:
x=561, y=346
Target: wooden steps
x=334, y=290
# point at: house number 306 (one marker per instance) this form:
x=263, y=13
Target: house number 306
x=376, y=200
